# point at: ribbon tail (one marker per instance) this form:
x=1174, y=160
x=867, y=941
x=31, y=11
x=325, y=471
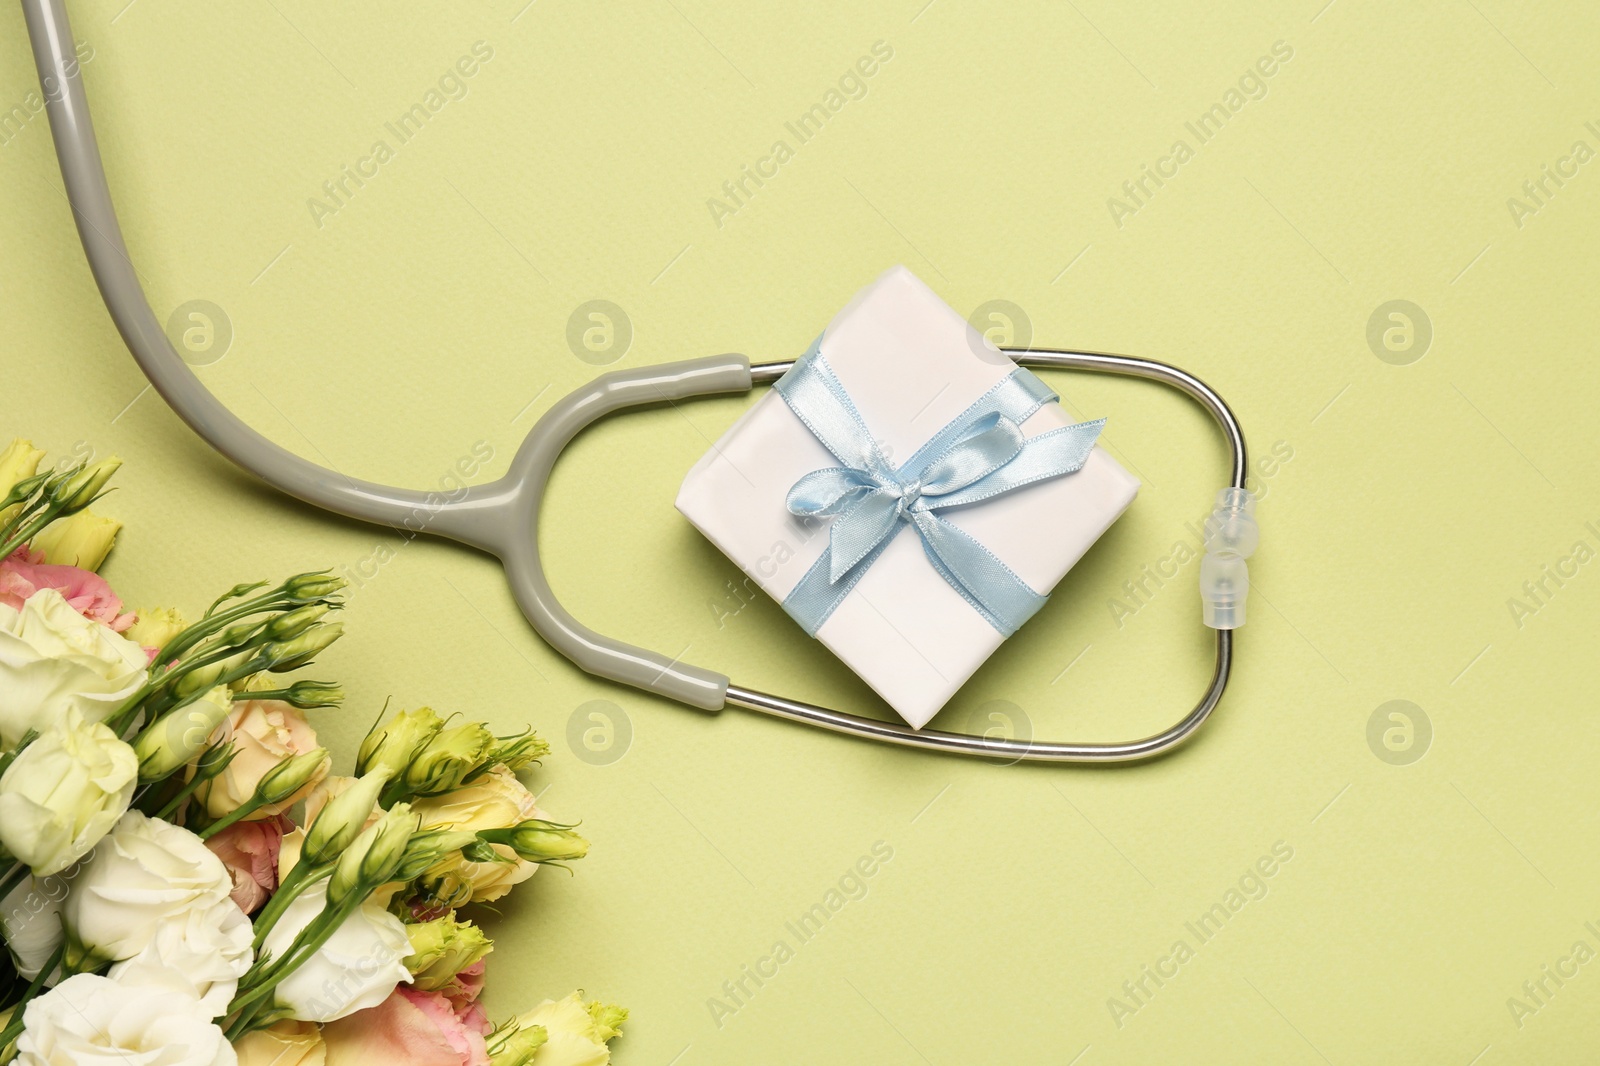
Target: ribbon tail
x=989, y=585
x=1049, y=455
x=816, y=596
x=856, y=533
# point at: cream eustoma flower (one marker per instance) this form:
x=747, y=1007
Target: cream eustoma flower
x=287, y=1043
x=493, y=800
x=53, y=659
x=264, y=733
x=89, y=1019
x=64, y=792
x=358, y=966
x=145, y=874
x=577, y=1032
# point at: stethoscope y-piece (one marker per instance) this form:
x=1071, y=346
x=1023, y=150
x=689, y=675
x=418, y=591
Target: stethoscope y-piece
x=502, y=517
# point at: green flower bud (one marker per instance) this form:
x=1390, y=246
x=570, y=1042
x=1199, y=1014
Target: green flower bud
x=426, y=849
x=442, y=948
x=78, y=490
x=178, y=736
x=539, y=841
x=517, y=1046
x=314, y=586
x=519, y=752
x=392, y=746
x=373, y=857
x=447, y=759
x=239, y=633
x=202, y=678
x=214, y=760
x=283, y=656
x=291, y=624
x=291, y=775
x=482, y=851
x=309, y=695
x=341, y=819
x=16, y=498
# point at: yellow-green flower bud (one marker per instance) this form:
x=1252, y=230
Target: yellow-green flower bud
x=78, y=490
x=517, y=1046
x=291, y=624
x=175, y=738
x=519, y=752
x=308, y=587
x=374, y=855
x=442, y=948
x=202, y=678
x=239, y=633
x=539, y=841
x=286, y=655
x=392, y=745
x=341, y=819
x=308, y=695
x=82, y=540
x=18, y=480
x=446, y=760
x=291, y=775
x=427, y=848
x=18, y=462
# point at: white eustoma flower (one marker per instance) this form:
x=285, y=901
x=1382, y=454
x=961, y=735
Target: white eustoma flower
x=52, y=658
x=30, y=922
x=357, y=968
x=145, y=873
x=64, y=792
x=200, y=953
x=88, y=1019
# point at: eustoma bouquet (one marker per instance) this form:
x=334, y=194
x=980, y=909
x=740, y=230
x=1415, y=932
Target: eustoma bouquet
x=185, y=881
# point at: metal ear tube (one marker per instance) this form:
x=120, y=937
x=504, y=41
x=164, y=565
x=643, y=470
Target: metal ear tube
x=501, y=517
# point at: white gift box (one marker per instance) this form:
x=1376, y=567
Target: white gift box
x=910, y=364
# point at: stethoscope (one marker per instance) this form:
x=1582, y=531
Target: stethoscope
x=502, y=517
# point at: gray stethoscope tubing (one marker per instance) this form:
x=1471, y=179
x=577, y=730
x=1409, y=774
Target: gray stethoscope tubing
x=502, y=517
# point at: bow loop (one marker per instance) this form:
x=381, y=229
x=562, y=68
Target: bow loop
x=992, y=442
x=829, y=492
x=979, y=455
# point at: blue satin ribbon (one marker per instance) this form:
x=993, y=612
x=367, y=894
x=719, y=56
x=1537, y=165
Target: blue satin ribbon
x=979, y=455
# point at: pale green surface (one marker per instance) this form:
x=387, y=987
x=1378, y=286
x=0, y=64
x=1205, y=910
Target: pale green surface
x=1418, y=499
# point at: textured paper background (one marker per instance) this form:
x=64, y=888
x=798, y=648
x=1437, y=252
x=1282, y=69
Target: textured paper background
x=1405, y=506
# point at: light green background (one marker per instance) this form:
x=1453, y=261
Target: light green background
x=431, y=311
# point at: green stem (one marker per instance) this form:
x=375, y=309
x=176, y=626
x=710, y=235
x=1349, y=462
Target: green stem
x=13, y=1029
x=190, y=786
x=22, y=742
x=267, y=601
x=11, y=879
x=181, y=644
x=249, y=807
x=305, y=944
x=26, y=533
x=297, y=881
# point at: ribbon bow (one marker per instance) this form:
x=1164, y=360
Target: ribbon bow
x=979, y=455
